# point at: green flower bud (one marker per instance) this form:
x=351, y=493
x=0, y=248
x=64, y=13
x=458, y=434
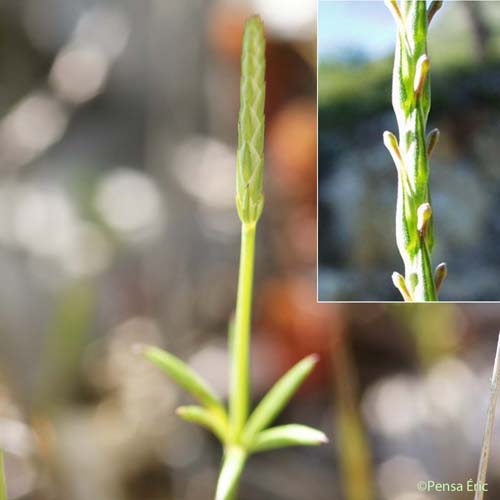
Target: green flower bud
x=250, y=155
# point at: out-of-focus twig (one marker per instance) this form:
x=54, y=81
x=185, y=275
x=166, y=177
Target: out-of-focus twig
x=488, y=432
x=353, y=448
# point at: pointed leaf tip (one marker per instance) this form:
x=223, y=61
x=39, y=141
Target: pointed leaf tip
x=183, y=375
x=314, y=358
x=287, y=435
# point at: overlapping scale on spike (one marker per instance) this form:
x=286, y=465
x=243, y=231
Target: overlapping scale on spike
x=250, y=155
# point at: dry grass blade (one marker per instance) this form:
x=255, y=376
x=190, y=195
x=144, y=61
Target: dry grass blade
x=488, y=432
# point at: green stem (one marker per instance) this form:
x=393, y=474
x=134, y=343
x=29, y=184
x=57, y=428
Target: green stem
x=230, y=475
x=425, y=291
x=411, y=154
x=3, y=484
x=240, y=355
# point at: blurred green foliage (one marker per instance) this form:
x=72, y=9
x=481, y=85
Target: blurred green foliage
x=350, y=92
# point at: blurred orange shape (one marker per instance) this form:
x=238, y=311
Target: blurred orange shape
x=225, y=31
x=297, y=325
x=292, y=140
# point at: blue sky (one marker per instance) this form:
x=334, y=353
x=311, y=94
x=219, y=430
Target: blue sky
x=360, y=25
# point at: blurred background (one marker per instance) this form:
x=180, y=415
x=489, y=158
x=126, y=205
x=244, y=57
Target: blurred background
x=357, y=178
x=118, y=225
x=118, y=128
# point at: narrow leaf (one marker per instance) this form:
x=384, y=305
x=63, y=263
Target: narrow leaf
x=210, y=419
x=287, y=435
x=232, y=467
x=279, y=395
x=3, y=485
x=183, y=375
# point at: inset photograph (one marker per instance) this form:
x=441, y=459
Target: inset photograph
x=409, y=169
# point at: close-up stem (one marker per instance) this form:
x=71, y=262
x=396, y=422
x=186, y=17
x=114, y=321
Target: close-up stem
x=249, y=202
x=232, y=468
x=240, y=367
x=411, y=101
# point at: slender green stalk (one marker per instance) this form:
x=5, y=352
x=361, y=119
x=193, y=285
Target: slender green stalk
x=240, y=369
x=242, y=434
x=411, y=102
x=3, y=484
x=231, y=470
x=488, y=431
x=249, y=202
